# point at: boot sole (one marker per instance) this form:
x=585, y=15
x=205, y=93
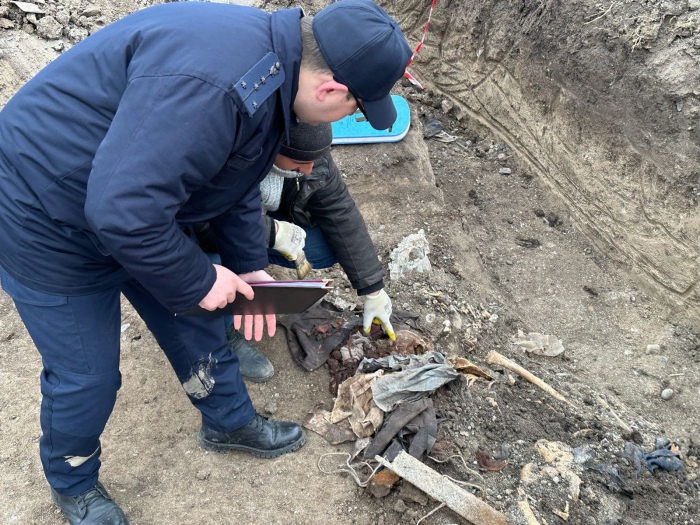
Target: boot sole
x=224, y=448
x=258, y=379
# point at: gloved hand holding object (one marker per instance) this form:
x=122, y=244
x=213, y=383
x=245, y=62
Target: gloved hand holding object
x=289, y=239
x=378, y=311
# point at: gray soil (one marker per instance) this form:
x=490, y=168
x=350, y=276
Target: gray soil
x=592, y=237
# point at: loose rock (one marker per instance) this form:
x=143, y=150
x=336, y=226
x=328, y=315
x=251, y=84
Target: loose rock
x=400, y=506
x=76, y=34
x=411, y=493
x=92, y=10
x=410, y=256
x=271, y=408
x=653, y=349
x=49, y=28
x=505, y=171
x=666, y=394
x=63, y=18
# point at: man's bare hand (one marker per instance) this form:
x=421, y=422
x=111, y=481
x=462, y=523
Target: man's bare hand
x=224, y=290
x=256, y=321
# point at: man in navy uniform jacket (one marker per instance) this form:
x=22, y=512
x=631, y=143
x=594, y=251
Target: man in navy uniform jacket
x=170, y=116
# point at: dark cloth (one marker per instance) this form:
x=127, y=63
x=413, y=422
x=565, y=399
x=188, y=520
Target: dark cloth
x=664, y=458
x=78, y=339
x=109, y=150
x=323, y=200
x=397, y=420
x=312, y=335
x=307, y=142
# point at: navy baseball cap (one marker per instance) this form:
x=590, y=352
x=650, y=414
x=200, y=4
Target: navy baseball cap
x=366, y=51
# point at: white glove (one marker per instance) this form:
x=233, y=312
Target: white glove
x=378, y=311
x=289, y=239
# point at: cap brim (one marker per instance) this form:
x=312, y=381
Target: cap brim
x=381, y=113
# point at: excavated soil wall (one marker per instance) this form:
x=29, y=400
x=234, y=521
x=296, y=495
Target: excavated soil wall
x=600, y=101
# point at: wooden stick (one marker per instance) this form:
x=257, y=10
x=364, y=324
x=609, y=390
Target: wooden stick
x=442, y=489
x=498, y=359
x=617, y=418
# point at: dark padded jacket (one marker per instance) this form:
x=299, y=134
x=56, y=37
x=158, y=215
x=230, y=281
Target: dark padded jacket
x=323, y=200
x=134, y=133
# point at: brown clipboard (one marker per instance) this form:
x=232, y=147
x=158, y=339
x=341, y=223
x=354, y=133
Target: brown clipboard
x=273, y=297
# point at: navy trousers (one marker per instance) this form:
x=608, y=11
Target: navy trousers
x=78, y=339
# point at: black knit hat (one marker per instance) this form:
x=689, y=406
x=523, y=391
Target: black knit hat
x=307, y=143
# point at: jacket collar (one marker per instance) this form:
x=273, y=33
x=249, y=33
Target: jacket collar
x=286, y=41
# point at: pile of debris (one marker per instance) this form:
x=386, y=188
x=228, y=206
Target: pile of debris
x=51, y=20
x=546, y=452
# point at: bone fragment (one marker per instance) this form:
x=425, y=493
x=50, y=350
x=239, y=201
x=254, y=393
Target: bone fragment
x=498, y=359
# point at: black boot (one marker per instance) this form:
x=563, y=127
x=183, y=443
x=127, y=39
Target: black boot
x=253, y=365
x=92, y=507
x=261, y=437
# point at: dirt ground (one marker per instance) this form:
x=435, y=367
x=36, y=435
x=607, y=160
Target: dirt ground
x=503, y=244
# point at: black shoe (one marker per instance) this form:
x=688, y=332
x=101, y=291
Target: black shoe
x=92, y=507
x=253, y=365
x=261, y=437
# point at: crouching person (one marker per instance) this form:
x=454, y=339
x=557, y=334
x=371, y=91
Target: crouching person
x=308, y=208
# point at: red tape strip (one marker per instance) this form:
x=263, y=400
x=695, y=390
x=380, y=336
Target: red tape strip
x=410, y=77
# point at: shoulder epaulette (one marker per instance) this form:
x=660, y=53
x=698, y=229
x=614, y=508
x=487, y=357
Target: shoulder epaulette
x=261, y=81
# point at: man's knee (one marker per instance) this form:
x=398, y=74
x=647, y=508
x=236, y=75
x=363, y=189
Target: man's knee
x=79, y=404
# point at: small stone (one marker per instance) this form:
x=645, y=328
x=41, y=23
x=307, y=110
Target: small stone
x=92, y=10
x=203, y=475
x=58, y=46
x=1, y=53
x=447, y=326
x=505, y=171
x=653, y=350
x=63, y=18
x=411, y=493
x=691, y=477
x=447, y=105
x=271, y=408
x=4, y=11
x=400, y=506
x=76, y=34
x=666, y=394
x=693, y=5
x=380, y=484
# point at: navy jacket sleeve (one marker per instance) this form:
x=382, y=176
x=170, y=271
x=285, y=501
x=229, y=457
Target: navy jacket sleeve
x=240, y=237
x=169, y=136
x=345, y=231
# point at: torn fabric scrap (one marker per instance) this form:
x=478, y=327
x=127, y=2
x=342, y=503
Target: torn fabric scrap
x=319, y=420
x=312, y=335
x=355, y=403
x=420, y=376
x=411, y=427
